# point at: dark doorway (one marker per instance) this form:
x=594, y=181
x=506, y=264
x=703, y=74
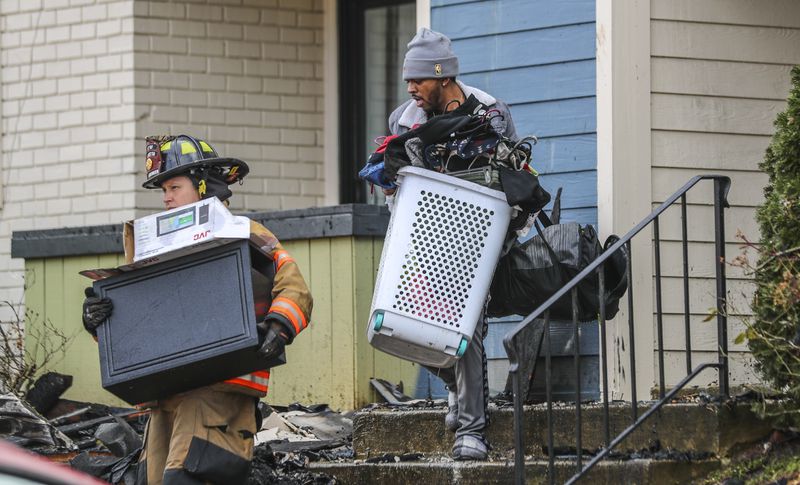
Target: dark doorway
x=372, y=42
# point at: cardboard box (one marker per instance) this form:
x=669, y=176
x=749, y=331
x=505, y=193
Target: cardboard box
x=182, y=324
x=177, y=232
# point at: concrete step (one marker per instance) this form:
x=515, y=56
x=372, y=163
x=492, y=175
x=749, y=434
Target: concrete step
x=700, y=430
x=445, y=471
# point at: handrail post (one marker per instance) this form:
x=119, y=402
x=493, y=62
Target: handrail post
x=548, y=390
x=519, y=453
x=659, y=309
x=722, y=310
x=601, y=292
x=631, y=339
x=576, y=352
x=686, y=315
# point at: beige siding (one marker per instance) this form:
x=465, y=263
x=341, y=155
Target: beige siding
x=710, y=151
x=719, y=75
x=770, y=13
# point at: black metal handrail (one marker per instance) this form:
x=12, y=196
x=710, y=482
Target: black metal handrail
x=523, y=343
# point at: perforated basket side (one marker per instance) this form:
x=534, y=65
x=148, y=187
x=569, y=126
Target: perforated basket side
x=447, y=239
x=439, y=256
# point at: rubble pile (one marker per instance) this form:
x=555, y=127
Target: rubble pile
x=278, y=468
x=292, y=437
x=22, y=425
x=105, y=442
x=100, y=440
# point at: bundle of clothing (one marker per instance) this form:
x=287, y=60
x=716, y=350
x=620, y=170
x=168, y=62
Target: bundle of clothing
x=459, y=142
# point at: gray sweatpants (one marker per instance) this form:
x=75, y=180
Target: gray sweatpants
x=467, y=378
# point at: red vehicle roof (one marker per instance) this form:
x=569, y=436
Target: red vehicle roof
x=17, y=462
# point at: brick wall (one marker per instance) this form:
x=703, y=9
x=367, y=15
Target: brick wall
x=67, y=119
x=245, y=75
x=84, y=81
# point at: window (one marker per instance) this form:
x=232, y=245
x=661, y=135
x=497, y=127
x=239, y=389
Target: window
x=372, y=42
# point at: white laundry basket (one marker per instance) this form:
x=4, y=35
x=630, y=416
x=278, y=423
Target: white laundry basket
x=442, y=245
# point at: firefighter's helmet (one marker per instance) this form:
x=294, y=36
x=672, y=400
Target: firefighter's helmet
x=168, y=157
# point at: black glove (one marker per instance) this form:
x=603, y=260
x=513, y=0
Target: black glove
x=95, y=311
x=275, y=339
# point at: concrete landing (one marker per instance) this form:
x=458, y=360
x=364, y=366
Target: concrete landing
x=682, y=443
x=711, y=430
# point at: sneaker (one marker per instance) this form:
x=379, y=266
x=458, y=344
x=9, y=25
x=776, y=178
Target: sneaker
x=451, y=419
x=470, y=447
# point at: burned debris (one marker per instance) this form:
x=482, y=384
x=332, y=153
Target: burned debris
x=292, y=437
x=23, y=426
x=105, y=441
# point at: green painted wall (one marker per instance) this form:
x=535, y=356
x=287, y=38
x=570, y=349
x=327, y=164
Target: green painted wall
x=330, y=362
x=54, y=290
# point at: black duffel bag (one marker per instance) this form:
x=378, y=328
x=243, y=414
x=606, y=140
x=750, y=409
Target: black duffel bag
x=536, y=269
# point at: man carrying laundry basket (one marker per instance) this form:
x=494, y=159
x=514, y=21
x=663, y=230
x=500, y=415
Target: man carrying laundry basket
x=430, y=69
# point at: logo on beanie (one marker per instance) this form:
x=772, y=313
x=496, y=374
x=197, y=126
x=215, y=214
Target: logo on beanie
x=437, y=69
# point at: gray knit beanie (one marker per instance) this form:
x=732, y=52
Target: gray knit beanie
x=429, y=56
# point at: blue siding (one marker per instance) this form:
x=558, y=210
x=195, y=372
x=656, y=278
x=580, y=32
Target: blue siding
x=572, y=116
x=569, y=153
x=458, y=19
x=539, y=57
x=520, y=49
x=586, y=198
x=538, y=83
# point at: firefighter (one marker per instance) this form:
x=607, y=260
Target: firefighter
x=206, y=435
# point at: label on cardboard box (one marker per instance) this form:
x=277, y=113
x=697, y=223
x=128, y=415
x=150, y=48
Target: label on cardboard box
x=174, y=233
x=173, y=230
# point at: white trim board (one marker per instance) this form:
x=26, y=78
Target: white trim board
x=623, y=174
x=423, y=13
